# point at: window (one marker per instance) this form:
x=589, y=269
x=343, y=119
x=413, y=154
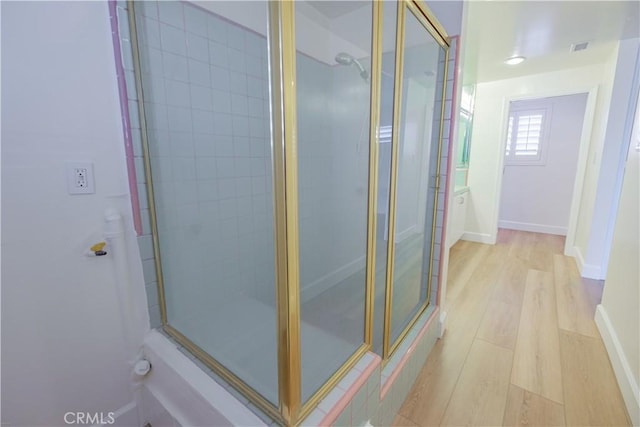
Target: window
x=525, y=137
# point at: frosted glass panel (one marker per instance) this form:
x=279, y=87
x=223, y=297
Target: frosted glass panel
x=205, y=84
x=333, y=60
x=421, y=109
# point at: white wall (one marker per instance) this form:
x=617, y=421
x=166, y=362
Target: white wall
x=598, y=208
x=63, y=345
x=618, y=316
x=489, y=127
x=538, y=197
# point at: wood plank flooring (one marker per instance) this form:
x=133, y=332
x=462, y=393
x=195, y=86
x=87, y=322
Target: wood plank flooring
x=521, y=347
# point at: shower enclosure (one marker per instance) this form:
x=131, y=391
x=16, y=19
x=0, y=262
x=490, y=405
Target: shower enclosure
x=292, y=162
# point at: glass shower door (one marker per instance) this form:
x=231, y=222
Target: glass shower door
x=416, y=156
x=204, y=74
x=333, y=96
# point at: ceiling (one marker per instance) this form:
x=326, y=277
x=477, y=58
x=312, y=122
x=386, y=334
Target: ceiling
x=543, y=32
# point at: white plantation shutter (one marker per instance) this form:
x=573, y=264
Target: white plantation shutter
x=385, y=134
x=525, y=137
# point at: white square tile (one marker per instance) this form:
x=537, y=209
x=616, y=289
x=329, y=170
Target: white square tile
x=174, y=67
x=156, y=116
x=153, y=86
x=259, y=147
x=207, y=190
x=235, y=37
x=173, y=39
x=255, y=107
x=159, y=143
x=134, y=114
x=242, y=166
x=222, y=124
x=197, y=47
x=227, y=208
x=149, y=271
x=224, y=145
x=150, y=32
x=142, y=196
x=257, y=185
x=239, y=105
x=253, y=66
x=221, y=101
x=254, y=87
x=229, y=229
x=219, y=78
x=238, y=83
x=241, y=146
x=204, y=144
x=254, y=44
x=224, y=167
x=170, y=12
x=243, y=205
x=148, y=8
x=226, y=188
x=179, y=119
x=243, y=186
x=205, y=168
x=236, y=60
x=201, y=98
x=217, y=29
x=240, y=126
x=139, y=167
x=257, y=166
x=184, y=169
x=195, y=20
x=177, y=93
x=218, y=55
x=202, y=122
x=126, y=54
x=136, y=142
x=182, y=144
x=187, y=194
x=256, y=127
x=199, y=73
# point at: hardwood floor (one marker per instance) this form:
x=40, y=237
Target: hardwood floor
x=521, y=347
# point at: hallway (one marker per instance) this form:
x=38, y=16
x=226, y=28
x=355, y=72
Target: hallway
x=521, y=346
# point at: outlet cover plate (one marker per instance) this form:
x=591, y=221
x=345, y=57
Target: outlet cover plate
x=80, y=178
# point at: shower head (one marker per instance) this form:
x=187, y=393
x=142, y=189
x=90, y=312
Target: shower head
x=343, y=58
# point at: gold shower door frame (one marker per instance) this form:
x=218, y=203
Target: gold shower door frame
x=282, y=74
x=422, y=13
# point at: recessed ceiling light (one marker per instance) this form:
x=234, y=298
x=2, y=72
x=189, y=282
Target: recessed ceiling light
x=514, y=60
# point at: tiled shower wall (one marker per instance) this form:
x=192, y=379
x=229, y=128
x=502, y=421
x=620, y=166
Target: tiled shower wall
x=206, y=93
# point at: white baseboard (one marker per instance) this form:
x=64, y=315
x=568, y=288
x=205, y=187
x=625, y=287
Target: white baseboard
x=534, y=228
x=588, y=271
x=626, y=381
x=329, y=280
x=479, y=238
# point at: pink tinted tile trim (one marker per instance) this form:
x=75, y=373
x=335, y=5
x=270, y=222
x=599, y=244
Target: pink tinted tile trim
x=405, y=358
x=124, y=112
x=360, y=382
x=450, y=160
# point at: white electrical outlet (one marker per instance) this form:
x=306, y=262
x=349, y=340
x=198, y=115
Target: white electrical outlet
x=80, y=178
